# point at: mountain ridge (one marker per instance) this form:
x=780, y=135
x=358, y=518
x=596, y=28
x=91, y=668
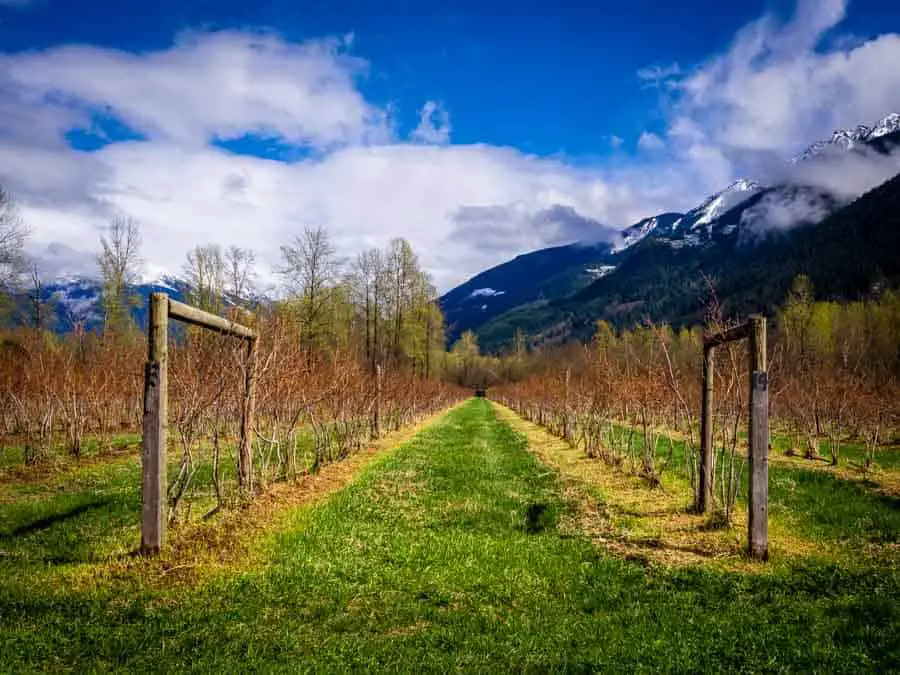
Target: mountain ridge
x=744, y=214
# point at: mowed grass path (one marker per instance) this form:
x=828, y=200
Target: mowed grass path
x=447, y=555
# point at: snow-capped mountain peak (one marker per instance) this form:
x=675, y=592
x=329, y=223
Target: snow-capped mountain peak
x=888, y=125
x=847, y=139
x=721, y=202
x=635, y=233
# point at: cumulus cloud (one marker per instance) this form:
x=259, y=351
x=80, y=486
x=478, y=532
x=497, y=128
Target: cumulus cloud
x=361, y=182
x=492, y=228
x=650, y=142
x=362, y=195
x=434, y=124
x=820, y=184
x=777, y=88
x=845, y=174
x=209, y=85
x=59, y=261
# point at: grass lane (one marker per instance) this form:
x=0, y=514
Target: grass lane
x=447, y=555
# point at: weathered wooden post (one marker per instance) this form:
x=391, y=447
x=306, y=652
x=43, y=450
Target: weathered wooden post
x=376, y=412
x=758, y=502
x=155, y=426
x=566, y=429
x=704, y=493
x=248, y=409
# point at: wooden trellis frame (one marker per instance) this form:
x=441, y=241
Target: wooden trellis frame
x=758, y=493
x=155, y=423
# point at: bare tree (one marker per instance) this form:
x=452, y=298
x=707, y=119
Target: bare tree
x=42, y=314
x=12, y=242
x=120, y=263
x=310, y=270
x=239, y=264
x=364, y=274
x=205, y=270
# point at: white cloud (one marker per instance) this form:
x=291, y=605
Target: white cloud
x=210, y=85
x=659, y=76
x=362, y=195
x=650, y=142
x=776, y=88
x=434, y=125
x=777, y=210
x=616, y=141
x=489, y=229
x=186, y=191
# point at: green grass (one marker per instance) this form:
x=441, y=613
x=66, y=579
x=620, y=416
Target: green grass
x=89, y=512
x=819, y=505
x=446, y=555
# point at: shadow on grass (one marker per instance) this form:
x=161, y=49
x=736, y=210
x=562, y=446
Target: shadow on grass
x=535, y=520
x=659, y=544
x=828, y=506
x=51, y=520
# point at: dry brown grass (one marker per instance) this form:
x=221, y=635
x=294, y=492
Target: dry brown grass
x=620, y=512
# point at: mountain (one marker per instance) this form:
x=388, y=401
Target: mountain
x=849, y=139
x=550, y=272
x=75, y=301
x=659, y=267
x=547, y=273
x=846, y=255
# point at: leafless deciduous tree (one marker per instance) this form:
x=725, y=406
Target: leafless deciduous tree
x=120, y=265
x=205, y=271
x=310, y=272
x=12, y=242
x=240, y=274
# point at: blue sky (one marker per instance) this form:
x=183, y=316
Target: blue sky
x=394, y=118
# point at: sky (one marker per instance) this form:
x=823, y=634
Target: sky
x=476, y=130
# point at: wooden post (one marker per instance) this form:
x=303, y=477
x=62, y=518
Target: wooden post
x=155, y=426
x=758, y=502
x=704, y=493
x=376, y=412
x=245, y=452
x=566, y=405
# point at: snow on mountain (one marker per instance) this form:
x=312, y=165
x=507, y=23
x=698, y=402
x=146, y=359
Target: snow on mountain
x=722, y=202
x=636, y=233
x=163, y=282
x=485, y=292
x=600, y=270
x=888, y=125
x=847, y=139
